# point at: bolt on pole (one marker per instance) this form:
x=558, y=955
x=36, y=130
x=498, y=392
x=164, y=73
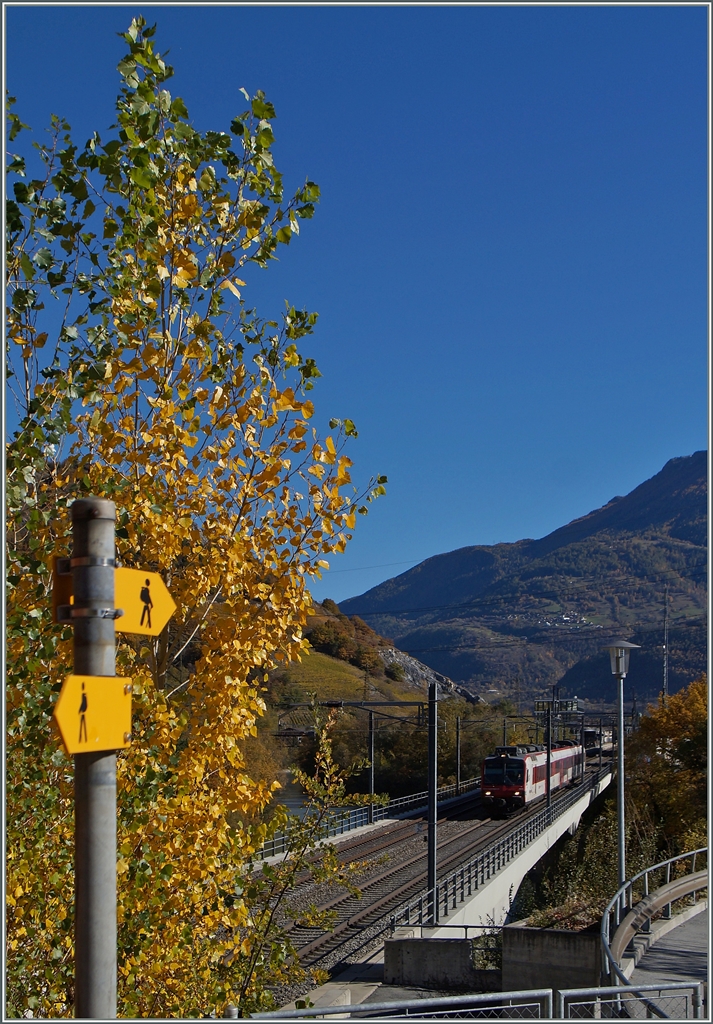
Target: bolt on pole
x=92, y=562
x=432, y=798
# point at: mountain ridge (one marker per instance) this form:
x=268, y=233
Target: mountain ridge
x=554, y=596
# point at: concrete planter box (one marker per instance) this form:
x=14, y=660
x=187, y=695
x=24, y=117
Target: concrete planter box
x=442, y=964
x=550, y=958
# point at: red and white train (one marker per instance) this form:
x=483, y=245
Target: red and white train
x=514, y=777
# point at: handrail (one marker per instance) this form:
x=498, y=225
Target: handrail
x=696, y=987
x=643, y=910
x=541, y=995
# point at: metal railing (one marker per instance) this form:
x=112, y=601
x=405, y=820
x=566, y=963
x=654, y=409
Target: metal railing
x=535, y=1004
x=675, y=1000
x=683, y=999
x=636, y=892
x=465, y=880
x=355, y=817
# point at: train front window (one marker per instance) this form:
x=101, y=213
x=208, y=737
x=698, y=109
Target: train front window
x=494, y=771
x=504, y=771
x=514, y=773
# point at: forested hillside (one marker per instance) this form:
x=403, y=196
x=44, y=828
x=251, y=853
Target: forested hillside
x=523, y=616
x=350, y=662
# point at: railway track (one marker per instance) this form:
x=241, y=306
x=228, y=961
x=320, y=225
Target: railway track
x=384, y=892
x=393, y=835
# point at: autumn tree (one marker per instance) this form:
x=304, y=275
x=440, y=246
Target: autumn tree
x=667, y=762
x=140, y=374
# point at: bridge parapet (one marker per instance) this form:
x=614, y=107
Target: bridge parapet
x=485, y=886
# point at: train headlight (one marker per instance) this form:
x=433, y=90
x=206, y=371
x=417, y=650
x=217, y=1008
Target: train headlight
x=488, y=793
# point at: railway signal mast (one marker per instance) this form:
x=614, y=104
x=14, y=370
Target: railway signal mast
x=665, y=643
x=554, y=707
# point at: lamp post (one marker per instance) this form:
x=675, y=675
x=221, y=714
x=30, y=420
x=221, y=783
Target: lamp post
x=432, y=800
x=619, y=653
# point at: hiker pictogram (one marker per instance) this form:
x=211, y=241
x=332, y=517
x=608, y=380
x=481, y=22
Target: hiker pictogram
x=83, y=717
x=109, y=725
x=148, y=604
x=150, y=614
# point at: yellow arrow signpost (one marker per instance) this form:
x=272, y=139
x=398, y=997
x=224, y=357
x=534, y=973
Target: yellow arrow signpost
x=142, y=597
x=94, y=713
x=144, y=600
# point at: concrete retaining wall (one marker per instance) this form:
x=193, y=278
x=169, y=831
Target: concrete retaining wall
x=550, y=958
x=443, y=964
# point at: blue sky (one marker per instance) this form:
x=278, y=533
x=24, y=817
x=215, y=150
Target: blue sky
x=510, y=259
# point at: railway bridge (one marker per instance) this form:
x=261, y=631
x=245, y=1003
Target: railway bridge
x=481, y=863
x=481, y=892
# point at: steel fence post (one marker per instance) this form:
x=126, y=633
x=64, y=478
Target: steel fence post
x=548, y=1004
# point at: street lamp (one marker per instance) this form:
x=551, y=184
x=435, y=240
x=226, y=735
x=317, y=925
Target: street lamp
x=619, y=653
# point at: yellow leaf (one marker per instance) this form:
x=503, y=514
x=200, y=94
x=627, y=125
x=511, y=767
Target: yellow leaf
x=229, y=284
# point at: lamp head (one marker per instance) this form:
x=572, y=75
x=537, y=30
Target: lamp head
x=619, y=653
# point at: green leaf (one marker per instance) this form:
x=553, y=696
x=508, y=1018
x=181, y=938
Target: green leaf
x=178, y=108
x=27, y=269
x=183, y=130
x=43, y=259
x=261, y=107
x=142, y=177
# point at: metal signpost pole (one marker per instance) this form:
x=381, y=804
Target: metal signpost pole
x=458, y=755
x=432, y=797
x=600, y=744
x=371, y=766
x=92, y=562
